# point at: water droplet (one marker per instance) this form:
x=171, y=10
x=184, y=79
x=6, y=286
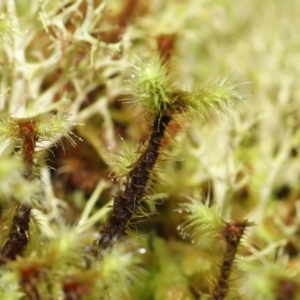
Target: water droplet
x=142, y=250
x=179, y=227
x=180, y=211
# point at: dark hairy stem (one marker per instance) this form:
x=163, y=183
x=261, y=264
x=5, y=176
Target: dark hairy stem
x=18, y=236
x=232, y=233
x=126, y=201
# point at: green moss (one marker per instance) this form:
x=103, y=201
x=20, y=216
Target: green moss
x=67, y=63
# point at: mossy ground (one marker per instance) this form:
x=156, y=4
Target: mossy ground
x=72, y=57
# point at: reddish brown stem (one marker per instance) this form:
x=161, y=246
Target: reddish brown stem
x=30, y=288
x=29, y=138
x=232, y=233
x=31, y=275
x=18, y=236
x=75, y=289
x=166, y=45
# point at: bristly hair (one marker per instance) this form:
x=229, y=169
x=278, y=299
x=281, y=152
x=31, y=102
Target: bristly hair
x=149, y=84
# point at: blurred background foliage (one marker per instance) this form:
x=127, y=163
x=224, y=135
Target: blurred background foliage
x=73, y=55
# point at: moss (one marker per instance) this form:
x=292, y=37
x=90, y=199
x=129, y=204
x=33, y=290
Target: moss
x=208, y=147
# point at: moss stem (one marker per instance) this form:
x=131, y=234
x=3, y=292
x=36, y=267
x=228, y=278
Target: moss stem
x=18, y=236
x=126, y=202
x=232, y=233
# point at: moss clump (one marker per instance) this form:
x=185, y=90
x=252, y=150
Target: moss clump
x=202, y=159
